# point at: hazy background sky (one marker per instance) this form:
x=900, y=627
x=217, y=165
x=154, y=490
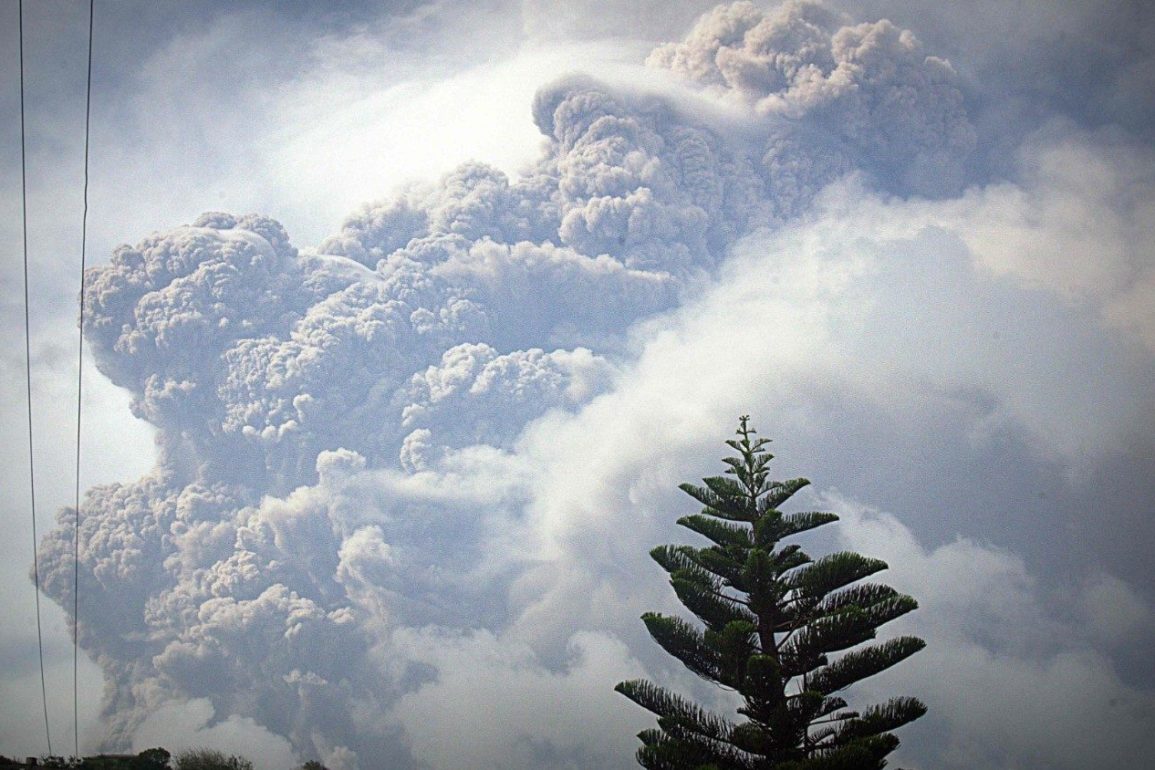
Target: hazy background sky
x=373, y=460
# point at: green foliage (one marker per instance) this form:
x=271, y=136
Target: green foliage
x=786, y=632
x=313, y=764
x=209, y=759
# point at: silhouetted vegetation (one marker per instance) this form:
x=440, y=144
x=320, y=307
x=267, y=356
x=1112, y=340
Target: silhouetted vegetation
x=149, y=759
x=209, y=759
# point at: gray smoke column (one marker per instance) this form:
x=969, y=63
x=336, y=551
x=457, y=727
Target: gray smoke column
x=323, y=414
x=870, y=88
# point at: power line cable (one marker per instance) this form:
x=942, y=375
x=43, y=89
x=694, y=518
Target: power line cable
x=79, y=408
x=28, y=383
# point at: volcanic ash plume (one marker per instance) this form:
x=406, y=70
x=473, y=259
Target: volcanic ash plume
x=339, y=468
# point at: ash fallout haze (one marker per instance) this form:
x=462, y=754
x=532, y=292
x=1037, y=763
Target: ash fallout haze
x=404, y=320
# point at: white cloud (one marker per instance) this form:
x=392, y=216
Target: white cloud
x=1005, y=679
x=1079, y=224
x=1115, y=613
x=886, y=301
x=494, y=705
x=191, y=725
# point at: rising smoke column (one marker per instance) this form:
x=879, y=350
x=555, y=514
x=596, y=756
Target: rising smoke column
x=300, y=525
x=877, y=99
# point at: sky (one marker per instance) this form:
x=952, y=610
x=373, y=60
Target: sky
x=404, y=320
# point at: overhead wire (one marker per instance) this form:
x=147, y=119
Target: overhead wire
x=79, y=404
x=28, y=383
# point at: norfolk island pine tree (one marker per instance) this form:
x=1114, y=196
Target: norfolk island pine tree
x=785, y=632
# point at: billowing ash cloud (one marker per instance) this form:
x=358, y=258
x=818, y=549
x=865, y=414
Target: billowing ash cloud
x=357, y=512
x=870, y=88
